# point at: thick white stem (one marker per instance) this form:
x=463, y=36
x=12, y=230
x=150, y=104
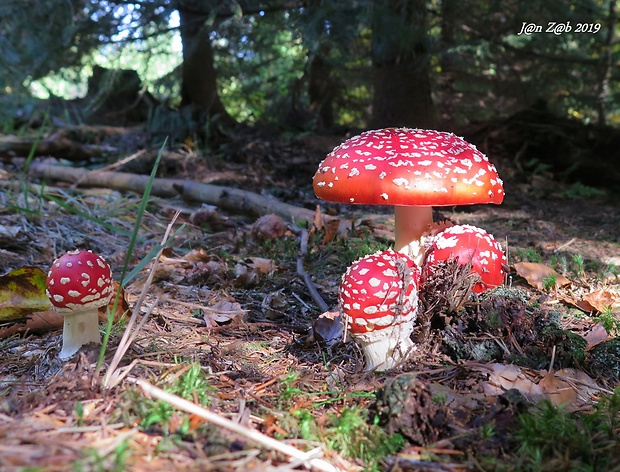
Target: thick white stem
x=80, y=328
x=386, y=348
x=410, y=223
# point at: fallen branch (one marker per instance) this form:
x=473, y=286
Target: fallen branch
x=59, y=146
x=232, y=199
x=310, y=458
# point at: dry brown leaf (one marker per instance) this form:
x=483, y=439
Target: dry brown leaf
x=268, y=227
x=596, y=334
x=328, y=328
x=317, y=224
x=224, y=312
x=571, y=388
x=274, y=304
x=601, y=300
x=537, y=274
x=37, y=322
x=261, y=265
x=503, y=377
x=197, y=255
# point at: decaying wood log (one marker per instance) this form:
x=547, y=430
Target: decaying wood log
x=55, y=145
x=231, y=199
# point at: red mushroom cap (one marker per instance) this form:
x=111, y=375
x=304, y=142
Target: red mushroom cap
x=401, y=166
x=469, y=243
x=371, y=295
x=79, y=280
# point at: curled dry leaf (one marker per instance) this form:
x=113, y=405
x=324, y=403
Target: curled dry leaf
x=274, y=304
x=207, y=215
x=601, y=300
x=328, y=328
x=249, y=271
x=268, y=227
x=570, y=388
x=224, y=312
x=538, y=275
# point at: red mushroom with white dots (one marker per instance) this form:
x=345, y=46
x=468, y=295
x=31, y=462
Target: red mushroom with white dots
x=379, y=301
x=467, y=243
x=411, y=169
x=78, y=283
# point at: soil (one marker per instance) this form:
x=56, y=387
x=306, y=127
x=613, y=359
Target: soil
x=228, y=296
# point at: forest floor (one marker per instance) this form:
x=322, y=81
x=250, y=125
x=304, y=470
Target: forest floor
x=518, y=378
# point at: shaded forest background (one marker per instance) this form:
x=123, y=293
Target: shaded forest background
x=194, y=69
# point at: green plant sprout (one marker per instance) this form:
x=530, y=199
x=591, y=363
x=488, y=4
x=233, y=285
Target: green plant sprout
x=192, y=385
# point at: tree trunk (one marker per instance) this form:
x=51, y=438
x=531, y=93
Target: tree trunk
x=401, y=83
x=199, y=82
x=321, y=88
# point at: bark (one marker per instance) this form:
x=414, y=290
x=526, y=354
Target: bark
x=199, y=82
x=57, y=145
x=401, y=83
x=321, y=88
x=228, y=198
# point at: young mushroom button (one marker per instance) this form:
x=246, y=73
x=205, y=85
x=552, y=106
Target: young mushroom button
x=411, y=169
x=78, y=283
x=469, y=244
x=379, y=300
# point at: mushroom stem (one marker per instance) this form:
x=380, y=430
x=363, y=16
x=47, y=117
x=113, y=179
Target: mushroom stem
x=80, y=328
x=385, y=349
x=410, y=224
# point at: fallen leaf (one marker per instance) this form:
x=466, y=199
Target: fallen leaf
x=22, y=291
x=36, y=322
x=570, y=388
x=503, y=377
x=261, y=265
x=537, y=274
x=604, y=299
x=224, y=312
x=268, y=227
x=273, y=304
x=331, y=229
x=595, y=335
x=328, y=328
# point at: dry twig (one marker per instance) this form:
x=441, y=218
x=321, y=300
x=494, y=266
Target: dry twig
x=310, y=459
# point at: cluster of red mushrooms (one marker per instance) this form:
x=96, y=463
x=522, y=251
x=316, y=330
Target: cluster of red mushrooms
x=413, y=170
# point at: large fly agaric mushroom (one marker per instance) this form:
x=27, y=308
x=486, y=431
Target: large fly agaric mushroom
x=469, y=244
x=411, y=169
x=379, y=301
x=78, y=283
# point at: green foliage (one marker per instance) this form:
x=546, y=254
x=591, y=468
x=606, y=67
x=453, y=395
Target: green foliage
x=579, y=191
x=351, y=434
x=530, y=255
x=266, y=55
x=549, y=282
x=192, y=385
x=115, y=461
x=609, y=320
x=550, y=438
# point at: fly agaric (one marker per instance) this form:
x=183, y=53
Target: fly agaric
x=379, y=300
x=467, y=243
x=412, y=169
x=78, y=283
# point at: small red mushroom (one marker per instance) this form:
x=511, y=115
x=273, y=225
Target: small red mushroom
x=467, y=244
x=78, y=283
x=379, y=300
x=412, y=169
